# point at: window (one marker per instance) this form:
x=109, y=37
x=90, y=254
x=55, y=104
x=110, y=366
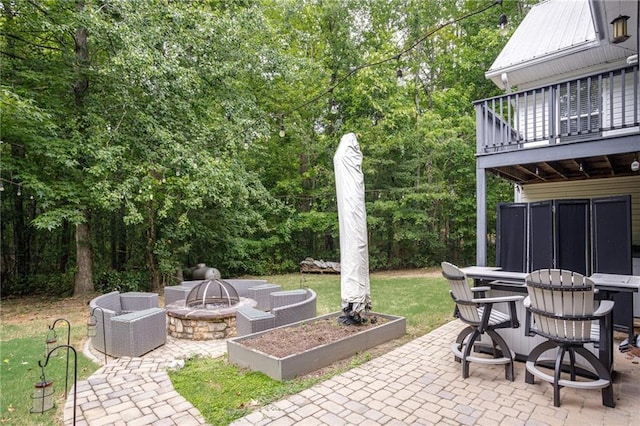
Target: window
x=579, y=107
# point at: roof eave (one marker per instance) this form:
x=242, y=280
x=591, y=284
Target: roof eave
x=576, y=48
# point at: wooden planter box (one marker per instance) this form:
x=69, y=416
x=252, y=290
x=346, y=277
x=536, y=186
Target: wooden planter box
x=298, y=364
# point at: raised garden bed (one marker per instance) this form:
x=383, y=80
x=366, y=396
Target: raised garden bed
x=288, y=367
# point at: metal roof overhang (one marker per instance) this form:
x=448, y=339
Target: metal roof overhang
x=568, y=38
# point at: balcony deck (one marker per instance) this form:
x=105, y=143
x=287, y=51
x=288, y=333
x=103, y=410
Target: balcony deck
x=576, y=129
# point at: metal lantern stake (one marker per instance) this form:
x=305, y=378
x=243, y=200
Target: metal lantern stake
x=52, y=344
x=92, y=329
x=43, y=393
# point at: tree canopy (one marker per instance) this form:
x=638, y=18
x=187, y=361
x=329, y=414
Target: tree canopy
x=141, y=137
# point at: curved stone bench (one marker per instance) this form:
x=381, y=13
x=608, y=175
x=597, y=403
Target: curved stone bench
x=128, y=324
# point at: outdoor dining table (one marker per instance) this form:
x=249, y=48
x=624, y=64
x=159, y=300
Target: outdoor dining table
x=510, y=282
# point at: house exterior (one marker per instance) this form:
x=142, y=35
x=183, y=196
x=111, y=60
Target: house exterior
x=568, y=123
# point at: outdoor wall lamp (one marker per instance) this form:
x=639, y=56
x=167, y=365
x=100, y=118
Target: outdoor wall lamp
x=620, y=29
x=635, y=165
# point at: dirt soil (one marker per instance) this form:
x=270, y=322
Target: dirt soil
x=287, y=341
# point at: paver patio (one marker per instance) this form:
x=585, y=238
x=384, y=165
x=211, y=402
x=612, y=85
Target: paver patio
x=417, y=383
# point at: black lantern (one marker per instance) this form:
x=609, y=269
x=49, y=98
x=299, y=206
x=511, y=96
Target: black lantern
x=620, y=29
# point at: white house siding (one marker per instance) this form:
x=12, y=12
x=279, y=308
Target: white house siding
x=591, y=188
x=629, y=113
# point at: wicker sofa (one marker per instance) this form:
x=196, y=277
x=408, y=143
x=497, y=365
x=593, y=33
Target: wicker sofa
x=128, y=324
x=287, y=307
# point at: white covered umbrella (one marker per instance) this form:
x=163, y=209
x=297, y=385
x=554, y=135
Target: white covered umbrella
x=352, y=218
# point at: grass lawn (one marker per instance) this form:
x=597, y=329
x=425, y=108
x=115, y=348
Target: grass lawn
x=220, y=391
x=24, y=325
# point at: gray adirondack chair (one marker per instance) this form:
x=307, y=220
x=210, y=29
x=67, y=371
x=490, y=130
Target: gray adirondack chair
x=561, y=304
x=476, y=310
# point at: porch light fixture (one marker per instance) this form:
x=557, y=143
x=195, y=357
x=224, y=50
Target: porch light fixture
x=620, y=29
x=635, y=165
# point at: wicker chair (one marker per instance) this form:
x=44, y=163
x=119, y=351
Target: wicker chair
x=128, y=324
x=476, y=310
x=562, y=306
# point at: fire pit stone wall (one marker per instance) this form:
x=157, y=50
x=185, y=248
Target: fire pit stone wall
x=199, y=329
x=201, y=323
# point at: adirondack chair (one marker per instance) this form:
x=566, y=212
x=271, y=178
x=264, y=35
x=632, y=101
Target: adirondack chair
x=561, y=304
x=476, y=310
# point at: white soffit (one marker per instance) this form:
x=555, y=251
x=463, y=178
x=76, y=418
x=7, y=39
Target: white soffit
x=556, y=37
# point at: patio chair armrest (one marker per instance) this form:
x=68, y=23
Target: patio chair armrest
x=605, y=307
x=498, y=299
x=480, y=289
x=527, y=302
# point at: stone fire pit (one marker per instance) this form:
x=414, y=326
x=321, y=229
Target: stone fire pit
x=203, y=323
x=208, y=312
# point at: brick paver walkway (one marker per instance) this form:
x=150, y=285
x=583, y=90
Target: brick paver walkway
x=417, y=383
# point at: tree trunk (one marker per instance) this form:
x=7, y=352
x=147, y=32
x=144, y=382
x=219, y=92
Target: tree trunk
x=152, y=264
x=84, y=253
x=84, y=260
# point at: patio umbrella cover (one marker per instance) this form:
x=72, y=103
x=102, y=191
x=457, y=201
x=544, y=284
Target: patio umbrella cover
x=352, y=218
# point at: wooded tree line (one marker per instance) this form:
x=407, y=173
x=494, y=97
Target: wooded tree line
x=142, y=137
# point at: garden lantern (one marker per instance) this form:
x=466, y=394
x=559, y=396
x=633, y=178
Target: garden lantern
x=43, y=393
x=92, y=329
x=92, y=326
x=42, y=397
x=52, y=342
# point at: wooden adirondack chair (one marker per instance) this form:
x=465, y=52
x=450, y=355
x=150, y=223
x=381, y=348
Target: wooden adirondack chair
x=562, y=306
x=476, y=310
